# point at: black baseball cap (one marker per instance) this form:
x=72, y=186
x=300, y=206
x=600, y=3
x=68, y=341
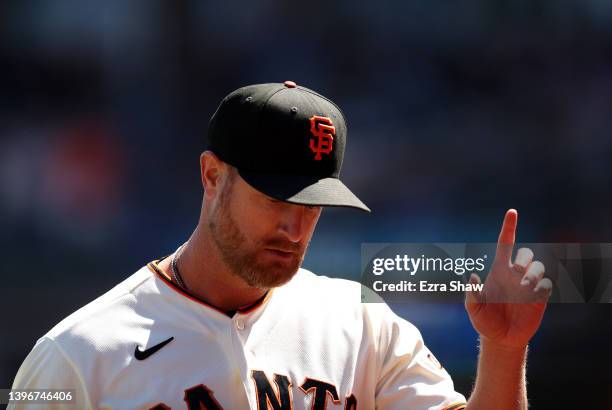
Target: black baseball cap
x=286, y=141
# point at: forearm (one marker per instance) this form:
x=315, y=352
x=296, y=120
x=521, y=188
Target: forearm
x=500, y=380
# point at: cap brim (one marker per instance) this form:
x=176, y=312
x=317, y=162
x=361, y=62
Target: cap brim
x=304, y=190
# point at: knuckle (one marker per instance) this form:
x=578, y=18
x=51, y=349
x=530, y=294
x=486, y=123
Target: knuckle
x=521, y=265
x=530, y=275
x=537, y=266
x=547, y=282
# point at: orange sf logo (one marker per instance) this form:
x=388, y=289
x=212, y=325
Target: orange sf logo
x=323, y=129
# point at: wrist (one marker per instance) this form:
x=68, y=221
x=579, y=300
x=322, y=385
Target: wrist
x=502, y=350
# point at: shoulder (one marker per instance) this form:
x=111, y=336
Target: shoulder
x=95, y=342
x=307, y=280
x=335, y=291
x=334, y=297
x=98, y=323
x=48, y=366
x=334, y=306
x=320, y=292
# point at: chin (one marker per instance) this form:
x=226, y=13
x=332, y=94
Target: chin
x=271, y=277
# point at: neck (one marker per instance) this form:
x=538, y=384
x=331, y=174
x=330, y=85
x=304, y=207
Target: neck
x=208, y=278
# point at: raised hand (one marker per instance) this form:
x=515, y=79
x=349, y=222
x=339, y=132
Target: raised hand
x=509, y=308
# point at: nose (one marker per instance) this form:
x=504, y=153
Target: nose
x=294, y=224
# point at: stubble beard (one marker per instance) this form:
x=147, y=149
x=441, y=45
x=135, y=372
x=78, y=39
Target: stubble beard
x=239, y=256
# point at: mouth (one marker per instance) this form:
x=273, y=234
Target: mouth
x=280, y=253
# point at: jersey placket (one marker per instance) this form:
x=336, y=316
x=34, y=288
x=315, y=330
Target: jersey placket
x=218, y=339
x=243, y=356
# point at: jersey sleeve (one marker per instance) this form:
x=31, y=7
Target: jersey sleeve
x=410, y=377
x=47, y=367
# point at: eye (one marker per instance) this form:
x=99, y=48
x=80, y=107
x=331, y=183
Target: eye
x=275, y=203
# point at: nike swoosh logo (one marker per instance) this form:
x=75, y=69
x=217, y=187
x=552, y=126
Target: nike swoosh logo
x=143, y=354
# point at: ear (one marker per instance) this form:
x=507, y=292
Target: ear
x=211, y=169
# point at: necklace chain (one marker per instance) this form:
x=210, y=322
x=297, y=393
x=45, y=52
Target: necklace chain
x=175, y=270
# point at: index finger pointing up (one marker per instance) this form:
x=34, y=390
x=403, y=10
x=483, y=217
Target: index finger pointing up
x=505, y=243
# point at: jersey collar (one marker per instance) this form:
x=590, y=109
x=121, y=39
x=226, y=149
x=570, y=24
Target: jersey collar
x=251, y=307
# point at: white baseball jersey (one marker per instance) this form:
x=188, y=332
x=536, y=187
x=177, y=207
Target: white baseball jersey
x=309, y=344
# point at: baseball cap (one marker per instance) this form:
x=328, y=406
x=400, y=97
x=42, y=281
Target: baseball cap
x=286, y=141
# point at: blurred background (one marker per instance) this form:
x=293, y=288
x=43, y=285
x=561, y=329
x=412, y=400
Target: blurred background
x=456, y=111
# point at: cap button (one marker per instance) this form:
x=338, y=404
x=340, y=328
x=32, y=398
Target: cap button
x=290, y=84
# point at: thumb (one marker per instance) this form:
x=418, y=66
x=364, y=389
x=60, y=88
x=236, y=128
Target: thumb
x=473, y=297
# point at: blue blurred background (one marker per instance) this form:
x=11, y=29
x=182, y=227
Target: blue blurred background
x=456, y=110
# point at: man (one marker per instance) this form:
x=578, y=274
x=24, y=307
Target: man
x=230, y=321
